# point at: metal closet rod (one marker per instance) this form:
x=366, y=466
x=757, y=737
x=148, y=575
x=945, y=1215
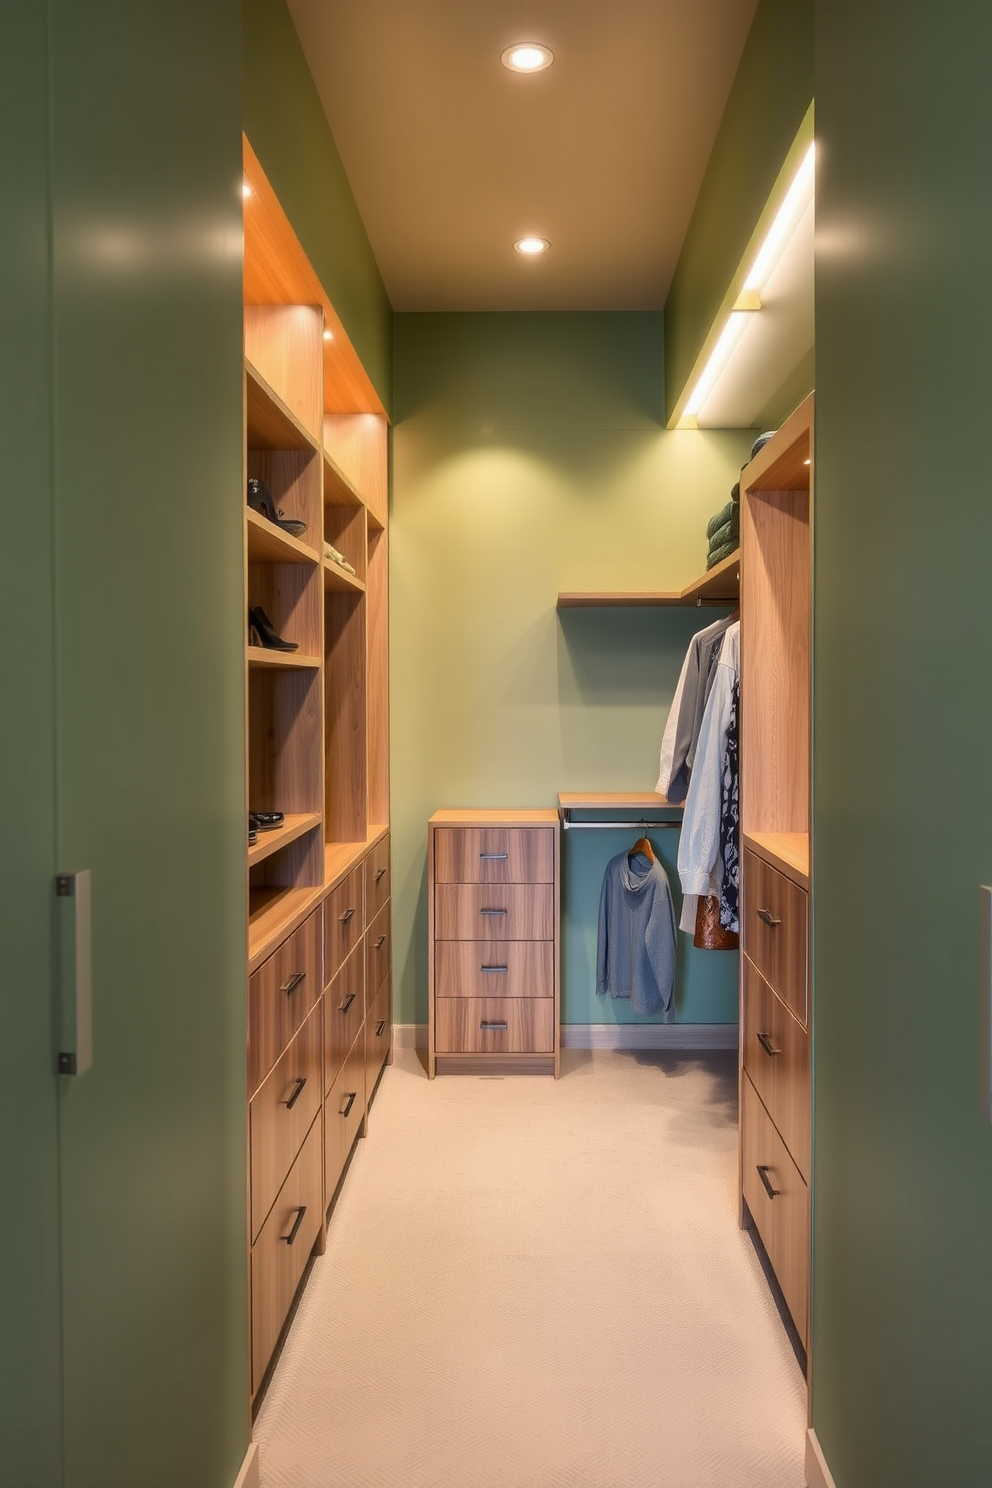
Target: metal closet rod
x=626, y=826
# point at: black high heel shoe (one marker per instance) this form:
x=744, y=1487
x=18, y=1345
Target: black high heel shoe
x=264, y=633
x=260, y=500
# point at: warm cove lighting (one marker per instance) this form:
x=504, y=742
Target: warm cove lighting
x=527, y=56
x=531, y=247
x=787, y=219
x=720, y=356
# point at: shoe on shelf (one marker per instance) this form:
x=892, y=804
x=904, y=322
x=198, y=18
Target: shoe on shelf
x=252, y=836
x=260, y=500
x=260, y=628
x=265, y=821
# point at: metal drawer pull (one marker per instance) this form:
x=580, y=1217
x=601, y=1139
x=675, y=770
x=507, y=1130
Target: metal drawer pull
x=763, y=1172
x=764, y=1039
x=493, y=911
x=350, y=1098
x=381, y=874
x=493, y=857
x=301, y=1210
x=346, y=916
x=294, y=982
x=379, y=1027
x=492, y=968
x=769, y=918
x=485, y=1025
x=299, y=1082
x=380, y=942
x=349, y=1000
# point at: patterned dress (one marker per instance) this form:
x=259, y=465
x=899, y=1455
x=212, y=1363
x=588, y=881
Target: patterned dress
x=730, y=821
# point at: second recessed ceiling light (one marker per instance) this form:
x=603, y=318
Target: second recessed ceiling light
x=529, y=247
x=527, y=56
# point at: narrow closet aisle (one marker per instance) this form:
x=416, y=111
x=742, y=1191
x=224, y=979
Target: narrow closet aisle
x=539, y=1282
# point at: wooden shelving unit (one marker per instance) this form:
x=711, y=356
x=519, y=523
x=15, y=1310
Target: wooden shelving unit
x=336, y=577
x=786, y=851
x=295, y=824
x=285, y=661
x=721, y=585
x=625, y=801
x=269, y=544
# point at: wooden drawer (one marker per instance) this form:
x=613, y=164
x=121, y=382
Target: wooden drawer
x=378, y=951
x=494, y=855
x=776, y=1056
x=344, y=1009
x=344, y=920
x=344, y=1111
x=280, y=994
x=494, y=1025
x=377, y=878
x=505, y=969
x=780, y=1210
x=774, y=930
x=378, y=1036
x=484, y=912
x=281, y=1114
x=280, y=1254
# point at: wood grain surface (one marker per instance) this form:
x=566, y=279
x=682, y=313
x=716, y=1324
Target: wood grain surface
x=377, y=878
x=281, y=1113
x=783, y=1220
x=494, y=855
x=344, y=1012
x=776, y=1056
x=777, y=949
x=494, y=968
x=280, y=994
x=494, y=912
x=529, y=1025
x=378, y=949
x=344, y=1113
x=344, y=920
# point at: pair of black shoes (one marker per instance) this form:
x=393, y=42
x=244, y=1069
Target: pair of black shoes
x=263, y=821
x=260, y=500
x=261, y=632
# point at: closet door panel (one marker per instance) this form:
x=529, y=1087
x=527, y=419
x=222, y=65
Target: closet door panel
x=495, y=1025
x=775, y=930
x=779, y=1203
x=504, y=969
x=280, y=994
x=280, y=1115
x=776, y=1056
x=507, y=912
x=494, y=855
x=344, y=1009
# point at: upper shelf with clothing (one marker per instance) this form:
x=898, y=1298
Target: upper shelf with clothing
x=720, y=585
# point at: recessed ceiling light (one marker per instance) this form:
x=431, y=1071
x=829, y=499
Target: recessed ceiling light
x=245, y=190
x=530, y=247
x=328, y=335
x=527, y=56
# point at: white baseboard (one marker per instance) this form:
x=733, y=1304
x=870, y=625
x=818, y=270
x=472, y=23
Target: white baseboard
x=622, y=1036
x=248, y=1476
x=818, y=1474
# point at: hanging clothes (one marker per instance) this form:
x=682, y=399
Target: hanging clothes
x=730, y=820
x=679, y=744
x=635, y=952
x=701, y=860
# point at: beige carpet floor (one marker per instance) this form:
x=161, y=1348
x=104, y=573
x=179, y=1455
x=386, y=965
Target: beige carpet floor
x=531, y=1284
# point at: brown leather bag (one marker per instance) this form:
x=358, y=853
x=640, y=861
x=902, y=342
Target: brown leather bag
x=710, y=934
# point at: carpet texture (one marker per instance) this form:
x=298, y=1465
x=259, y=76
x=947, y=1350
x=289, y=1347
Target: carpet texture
x=540, y=1284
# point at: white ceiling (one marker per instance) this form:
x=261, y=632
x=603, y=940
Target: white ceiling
x=451, y=157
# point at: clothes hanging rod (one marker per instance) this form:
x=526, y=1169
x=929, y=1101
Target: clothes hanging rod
x=625, y=826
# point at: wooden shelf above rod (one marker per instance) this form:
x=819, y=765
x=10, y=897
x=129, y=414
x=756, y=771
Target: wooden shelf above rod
x=720, y=586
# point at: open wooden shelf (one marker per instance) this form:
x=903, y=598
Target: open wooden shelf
x=294, y=826
x=339, y=579
x=721, y=585
x=338, y=489
x=270, y=423
x=611, y=800
x=786, y=851
x=261, y=656
x=270, y=544
x=272, y=914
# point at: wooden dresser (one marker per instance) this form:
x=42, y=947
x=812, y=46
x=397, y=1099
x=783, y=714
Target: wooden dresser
x=494, y=941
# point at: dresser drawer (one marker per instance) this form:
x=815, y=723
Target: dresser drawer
x=344, y=1111
x=494, y=855
x=378, y=952
x=344, y=1009
x=774, y=930
x=494, y=912
x=344, y=919
x=280, y=1254
x=281, y=1113
x=378, y=1036
x=776, y=1056
x=501, y=968
x=280, y=994
x=779, y=1203
x=377, y=878
x=494, y=1025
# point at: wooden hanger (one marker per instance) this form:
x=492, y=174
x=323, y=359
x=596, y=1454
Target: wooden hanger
x=642, y=845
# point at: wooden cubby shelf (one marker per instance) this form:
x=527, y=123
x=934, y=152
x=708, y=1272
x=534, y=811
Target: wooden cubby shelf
x=336, y=577
x=295, y=825
x=269, y=544
x=271, y=424
x=261, y=656
x=721, y=585
x=338, y=489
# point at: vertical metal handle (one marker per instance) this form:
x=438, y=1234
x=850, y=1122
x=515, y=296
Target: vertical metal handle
x=294, y=982
x=763, y=1171
x=72, y=893
x=349, y=1102
x=764, y=1039
x=379, y=1027
x=300, y=1211
x=299, y=1082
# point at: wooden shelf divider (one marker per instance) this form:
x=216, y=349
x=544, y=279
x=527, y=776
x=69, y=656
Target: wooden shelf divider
x=261, y=656
x=270, y=544
x=338, y=578
x=295, y=825
x=271, y=424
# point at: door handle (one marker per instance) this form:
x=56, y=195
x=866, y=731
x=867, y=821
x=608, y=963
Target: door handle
x=299, y=1082
x=343, y=919
x=294, y=982
x=769, y=919
x=379, y=1027
x=492, y=911
x=349, y=1102
x=380, y=942
x=381, y=874
x=347, y=1002
x=72, y=893
x=764, y=1040
x=486, y=1025
x=492, y=968
x=763, y=1171
x=300, y=1211
x=493, y=857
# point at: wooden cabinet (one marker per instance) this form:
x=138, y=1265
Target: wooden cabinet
x=280, y=1115
x=494, y=941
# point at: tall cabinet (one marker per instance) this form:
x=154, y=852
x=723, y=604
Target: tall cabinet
x=776, y=585
x=318, y=986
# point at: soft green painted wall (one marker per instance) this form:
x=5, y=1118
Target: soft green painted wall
x=529, y=457
x=771, y=93
x=288, y=129
x=902, y=1297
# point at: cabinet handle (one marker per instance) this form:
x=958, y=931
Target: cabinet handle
x=301, y=1210
x=485, y=1025
x=350, y=1101
x=299, y=1082
x=763, y=1172
x=764, y=1039
x=492, y=911
x=769, y=919
x=493, y=857
x=347, y=916
x=381, y=874
x=350, y=999
x=294, y=982
x=492, y=968
x=380, y=942
x=379, y=1027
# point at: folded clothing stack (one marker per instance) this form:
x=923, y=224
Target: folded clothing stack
x=338, y=558
x=724, y=530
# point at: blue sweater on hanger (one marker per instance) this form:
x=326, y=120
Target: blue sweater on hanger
x=635, y=954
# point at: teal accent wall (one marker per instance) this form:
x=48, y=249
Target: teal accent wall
x=772, y=91
x=529, y=457
x=288, y=129
x=902, y=1301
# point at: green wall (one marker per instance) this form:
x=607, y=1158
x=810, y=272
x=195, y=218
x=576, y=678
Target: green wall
x=902, y=1298
x=285, y=121
x=529, y=457
x=771, y=93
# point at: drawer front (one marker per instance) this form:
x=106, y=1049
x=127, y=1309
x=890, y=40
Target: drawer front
x=280, y=1253
x=776, y=1056
x=494, y=1025
x=280, y=1115
x=280, y=994
x=775, y=915
x=344, y=1009
x=494, y=912
x=343, y=1113
x=344, y=920
x=378, y=1036
x=500, y=968
x=494, y=855
x=377, y=878
x=781, y=1209
x=378, y=951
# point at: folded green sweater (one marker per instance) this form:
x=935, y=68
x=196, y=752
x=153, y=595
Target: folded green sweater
x=717, y=555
